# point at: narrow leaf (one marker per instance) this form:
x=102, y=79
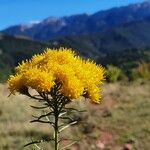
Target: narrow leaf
x=41, y=121
x=37, y=142
x=68, y=125
x=38, y=107
x=33, y=142
x=61, y=114
x=68, y=145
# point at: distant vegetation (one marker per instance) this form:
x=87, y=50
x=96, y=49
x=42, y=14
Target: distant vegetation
x=15, y=49
x=113, y=73
x=141, y=71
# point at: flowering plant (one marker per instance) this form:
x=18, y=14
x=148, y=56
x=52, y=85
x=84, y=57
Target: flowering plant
x=58, y=76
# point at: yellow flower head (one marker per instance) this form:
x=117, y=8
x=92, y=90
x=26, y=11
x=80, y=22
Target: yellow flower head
x=77, y=76
x=15, y=82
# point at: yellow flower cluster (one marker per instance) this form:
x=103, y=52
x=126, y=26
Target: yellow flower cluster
x=77, y=76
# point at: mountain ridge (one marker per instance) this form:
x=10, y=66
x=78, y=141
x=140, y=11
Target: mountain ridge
x=55, y=27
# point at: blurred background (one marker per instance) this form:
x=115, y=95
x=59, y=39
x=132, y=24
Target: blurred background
x=114, y=33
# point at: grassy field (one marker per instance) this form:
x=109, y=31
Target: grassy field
x=121, y=121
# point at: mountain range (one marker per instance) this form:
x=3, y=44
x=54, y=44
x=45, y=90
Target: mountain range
x=56, y=27
x=134, y=35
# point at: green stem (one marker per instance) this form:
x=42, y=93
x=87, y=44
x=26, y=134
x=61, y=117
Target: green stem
x=56, y=114
x=56, y=132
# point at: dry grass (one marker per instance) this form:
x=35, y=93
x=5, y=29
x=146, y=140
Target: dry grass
x=123, y=117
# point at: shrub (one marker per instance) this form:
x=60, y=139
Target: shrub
x=142, y=71
x=113, y=73
x=133, y=75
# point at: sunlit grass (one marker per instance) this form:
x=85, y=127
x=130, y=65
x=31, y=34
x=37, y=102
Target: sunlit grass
x=123, y=117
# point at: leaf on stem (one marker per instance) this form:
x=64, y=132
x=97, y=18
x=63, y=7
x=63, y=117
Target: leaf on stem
x=68, y=145
x=36, y=107
x=73, y=109
x=68, y=125
x=37, y=142
x=41, y=121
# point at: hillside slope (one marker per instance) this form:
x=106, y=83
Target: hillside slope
x=126, y=43
x=14, y=50
x=123, y=46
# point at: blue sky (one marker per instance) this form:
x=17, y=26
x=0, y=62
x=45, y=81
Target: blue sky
x=14, y=12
